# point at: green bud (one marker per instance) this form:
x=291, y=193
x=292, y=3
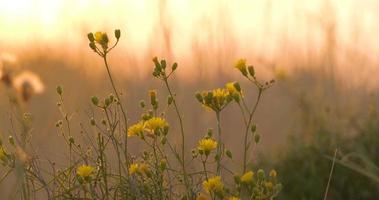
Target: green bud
x=174, y=66
x=253, y=128
x=71, y=140
x=229, y=154
x=163, y=64
x=59, y=90
x=251, y=71
x=257, y=138
x=237, y=86
x=199, y=97
x=142, y=104
x=261, y=174
x=117, y=34
x=91, y=38
x=92, y=45
x=95, y=100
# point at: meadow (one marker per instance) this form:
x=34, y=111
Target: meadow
x=211, y=105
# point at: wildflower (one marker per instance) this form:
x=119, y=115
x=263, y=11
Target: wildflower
x=139, y=168
x=234, y=198
x=28, y=83
x=234, y=90
x=136, y=129
x=231, y=88
x=241, y=66
x=144, y=168
x=269, y=185
x=85, y=171
x=273, y=173
x=133, y=168
x=213, y=184
x=153, y=98
x=101, y=38
x=155, y=124
x=261, y=174
x=247, y=177
x=215, y=99
x=207, y=145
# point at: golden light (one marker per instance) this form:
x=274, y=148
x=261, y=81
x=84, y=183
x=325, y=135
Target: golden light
x=261, y=30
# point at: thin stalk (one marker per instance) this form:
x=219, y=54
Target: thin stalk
x=122, y=108
x=185, y=175
x=219, y=146
x=330, y=175
x=251, y=114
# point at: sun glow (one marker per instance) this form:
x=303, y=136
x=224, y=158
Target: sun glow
x=275, y=32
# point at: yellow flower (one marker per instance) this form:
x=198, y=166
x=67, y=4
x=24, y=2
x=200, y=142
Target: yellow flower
x=139, y=168
x=101, y=38
x=207, y=145
x=247, y=177
x=220, y=94
x=85, y=171
x=213, y=184
x=156, y=123
x=133, y=168
x=136, y=129
x=234, y=198
x=201, y=197
x=241, y=66
x=144, y=168
x=269, y=185
x=273, y=173
x=231, y=88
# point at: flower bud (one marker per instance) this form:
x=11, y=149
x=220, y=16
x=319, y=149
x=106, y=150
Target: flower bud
x=92, y=45
x=174, y=66
x=251, y=71
x=91, y=38
x=142, y=104
x=71, y=140
x=261, y=174
x=59, y=90
x=257, y=138
x=95, y=100
x=253, y=128
x=229, y=154
x=117, y=34
x=163, y=64
x=199, y=97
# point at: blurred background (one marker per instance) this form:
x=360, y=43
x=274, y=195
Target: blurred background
x=324, y=56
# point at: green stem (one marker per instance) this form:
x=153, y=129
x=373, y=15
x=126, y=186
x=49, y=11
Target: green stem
x=122, y=108
x=185, y=175
x=251, y=114
x=219, y=143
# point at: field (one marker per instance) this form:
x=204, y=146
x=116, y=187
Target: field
x=189, y=105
